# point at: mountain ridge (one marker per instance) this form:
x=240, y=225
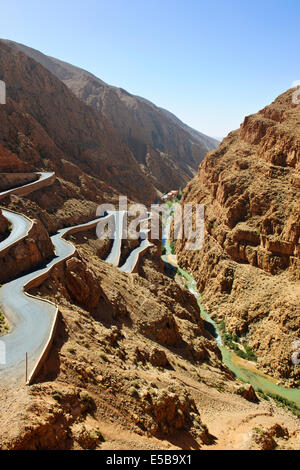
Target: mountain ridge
x=167, y=150
x=248, y=269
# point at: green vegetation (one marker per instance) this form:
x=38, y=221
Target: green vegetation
x=281, y=402
x=57, y=395
x=97, y=435
x=257, y=430
x=3, y=324
x=232, y=341
x=263, y=395
x=172, y=246
x=87, y=400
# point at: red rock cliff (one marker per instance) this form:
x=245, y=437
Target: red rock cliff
x=249, y=265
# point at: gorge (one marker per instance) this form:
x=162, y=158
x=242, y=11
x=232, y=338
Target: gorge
x=127, y=347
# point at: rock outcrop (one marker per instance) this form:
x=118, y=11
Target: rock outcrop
x=249, y=265
x=13, y=180
x=26, y=254
x=9, y=162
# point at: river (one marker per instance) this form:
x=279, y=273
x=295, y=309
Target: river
x=243, y=369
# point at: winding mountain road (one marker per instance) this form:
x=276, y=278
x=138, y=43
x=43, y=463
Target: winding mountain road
x=20, y=226
x=131, y=263
x=32, y=320
x=45, y=179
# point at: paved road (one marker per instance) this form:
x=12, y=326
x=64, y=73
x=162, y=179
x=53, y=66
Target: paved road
x=130, y=264
x=19, y=228
x=31, y=319
x=133, y=258
x=30, y=187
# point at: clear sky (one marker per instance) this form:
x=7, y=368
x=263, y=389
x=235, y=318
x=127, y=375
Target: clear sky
x=209, y=62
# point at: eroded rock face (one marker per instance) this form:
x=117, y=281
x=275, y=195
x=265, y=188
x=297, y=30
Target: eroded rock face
x=158, y=358
x=247, y=392
x=9, y=162
x=169, y=411
x=264, y=438
x=3, y=226
x=82, y=284
x=12, y=180
x=59, y=426
x=249, y=265
x=27, y=254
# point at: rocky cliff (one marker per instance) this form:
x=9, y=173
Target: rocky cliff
x=27, y=254
x=166, y=150
x=248, y=269
x=9, y=162
x=133, y=367
x=13, y=180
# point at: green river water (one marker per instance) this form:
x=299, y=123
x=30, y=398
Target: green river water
x=237, y=365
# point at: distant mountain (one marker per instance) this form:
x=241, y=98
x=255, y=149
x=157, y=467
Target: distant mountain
x=48, y=128
x=166, y=150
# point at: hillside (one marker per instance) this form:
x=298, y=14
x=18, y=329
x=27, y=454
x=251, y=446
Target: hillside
x=248, y=269
x=166, y=150
x=44, y=126
x=131, y=363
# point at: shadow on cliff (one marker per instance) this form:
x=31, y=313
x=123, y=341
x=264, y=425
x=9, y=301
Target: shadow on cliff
x=185, y=441
x=51, y=368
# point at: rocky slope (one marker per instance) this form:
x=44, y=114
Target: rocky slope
x=27, y=254
x=13, y=180
x=10, y=163
x=132, y=364
x=45, y=126
x=166, y=150
x=248, y=269
x=133, y=367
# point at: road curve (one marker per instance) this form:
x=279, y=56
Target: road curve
x=20, y=227
x=132, y=261
x=30, y=318
x=45, y=179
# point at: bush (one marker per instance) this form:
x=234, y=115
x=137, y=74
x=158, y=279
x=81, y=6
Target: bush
x=281, y=402
x=230, y=341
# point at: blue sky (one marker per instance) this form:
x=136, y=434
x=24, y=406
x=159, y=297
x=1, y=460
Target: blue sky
x=209, y=62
